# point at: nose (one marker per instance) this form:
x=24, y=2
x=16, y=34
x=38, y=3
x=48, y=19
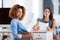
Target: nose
x=20, y=13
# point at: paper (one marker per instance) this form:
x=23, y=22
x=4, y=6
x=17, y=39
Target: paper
x=43, y=26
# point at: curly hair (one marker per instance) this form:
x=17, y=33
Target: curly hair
x=14, y=9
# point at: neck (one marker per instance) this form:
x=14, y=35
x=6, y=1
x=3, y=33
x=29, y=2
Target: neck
x=46, y=19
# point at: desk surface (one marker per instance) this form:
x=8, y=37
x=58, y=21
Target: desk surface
x=42, y=31
x=5, y=31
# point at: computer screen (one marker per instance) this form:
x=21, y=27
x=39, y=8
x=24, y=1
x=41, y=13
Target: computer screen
x=4, y=18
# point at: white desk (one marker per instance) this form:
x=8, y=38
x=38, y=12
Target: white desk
x=42, y=35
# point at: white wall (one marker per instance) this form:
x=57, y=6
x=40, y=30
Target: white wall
x=55, y=4
x=40, y=9
x=8, y=3
x=0, y=4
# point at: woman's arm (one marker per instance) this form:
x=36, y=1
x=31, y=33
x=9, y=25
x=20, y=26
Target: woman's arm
x=14, y=29
x=53, y=26
x=22, y=28
x=36, y=26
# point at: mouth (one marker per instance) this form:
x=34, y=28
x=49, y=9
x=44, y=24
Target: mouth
x=46, y=14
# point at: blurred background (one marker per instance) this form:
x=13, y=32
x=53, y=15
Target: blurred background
x=34, y=10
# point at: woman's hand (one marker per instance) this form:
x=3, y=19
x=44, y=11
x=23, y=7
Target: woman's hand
x=36, y=27
x=27, y=35
x=48, y=28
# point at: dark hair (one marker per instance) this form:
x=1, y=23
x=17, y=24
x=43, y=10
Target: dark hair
x=51, y=15
x=14, y=9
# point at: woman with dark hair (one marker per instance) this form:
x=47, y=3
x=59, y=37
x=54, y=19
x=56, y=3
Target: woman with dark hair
x=50, y=14
x=48, y=18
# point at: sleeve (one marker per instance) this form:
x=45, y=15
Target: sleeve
x=14, y=29
x=21, y=28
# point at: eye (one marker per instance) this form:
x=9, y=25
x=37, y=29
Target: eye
x=48, y=11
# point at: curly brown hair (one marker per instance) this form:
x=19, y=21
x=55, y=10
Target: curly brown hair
x=14, y=9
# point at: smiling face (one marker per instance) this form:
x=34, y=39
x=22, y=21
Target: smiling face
x=19, y=13
x=46, y=12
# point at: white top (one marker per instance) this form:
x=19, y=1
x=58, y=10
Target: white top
x=43, y=26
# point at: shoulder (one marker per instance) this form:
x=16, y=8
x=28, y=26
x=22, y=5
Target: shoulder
x=41, y=20
x=54, y=21
x=14, y=21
